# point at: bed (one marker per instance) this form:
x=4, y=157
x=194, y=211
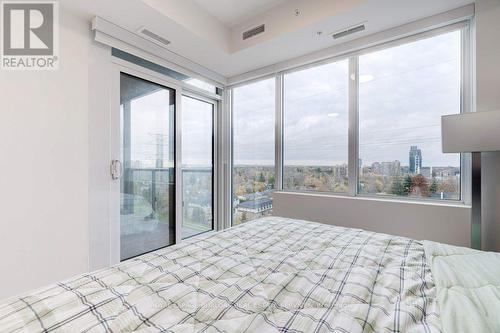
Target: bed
x=275, y=275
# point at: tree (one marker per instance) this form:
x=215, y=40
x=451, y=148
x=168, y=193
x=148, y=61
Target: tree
x=261, y=178
x=397, y=186
x=407, y=185
x=241, y=191
x=258, y=187
x=271, y=181
x=340, y=188
x=446, y=187
x=420, y=186
x=433, y=188
x=379, y=184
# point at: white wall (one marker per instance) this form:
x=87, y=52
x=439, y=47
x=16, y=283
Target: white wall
x=488, y=99
x=44, y=143
x=441, y=223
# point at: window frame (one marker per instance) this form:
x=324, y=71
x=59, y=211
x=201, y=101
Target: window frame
x=466, y=105
x=117, y=66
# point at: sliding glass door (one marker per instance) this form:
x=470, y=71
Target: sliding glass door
x=147, y=187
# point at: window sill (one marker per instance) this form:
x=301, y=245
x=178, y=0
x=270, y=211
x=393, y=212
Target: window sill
x=415, y=201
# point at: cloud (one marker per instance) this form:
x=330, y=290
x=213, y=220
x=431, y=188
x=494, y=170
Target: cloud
x=414, y=85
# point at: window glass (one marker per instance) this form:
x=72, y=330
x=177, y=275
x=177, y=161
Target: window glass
x=315, y=127
x=403, y=93
x=197, y=166
x=253, y=150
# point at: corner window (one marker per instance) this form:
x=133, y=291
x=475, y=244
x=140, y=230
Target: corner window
x=365, y=125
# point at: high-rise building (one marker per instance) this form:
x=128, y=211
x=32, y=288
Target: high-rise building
x=415, y=159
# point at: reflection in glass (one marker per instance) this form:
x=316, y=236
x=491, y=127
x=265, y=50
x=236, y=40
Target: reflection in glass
x=147, y=210
x=197, y=166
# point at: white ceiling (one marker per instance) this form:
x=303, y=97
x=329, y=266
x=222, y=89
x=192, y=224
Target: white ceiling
x=232, y=12
x=197, y=35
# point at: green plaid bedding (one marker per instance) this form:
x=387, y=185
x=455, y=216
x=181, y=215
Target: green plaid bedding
x=270, y=275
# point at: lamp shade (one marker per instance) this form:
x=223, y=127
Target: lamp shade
x=471, y=132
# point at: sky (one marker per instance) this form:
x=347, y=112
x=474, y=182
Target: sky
x=150, y=127
x=403, y=94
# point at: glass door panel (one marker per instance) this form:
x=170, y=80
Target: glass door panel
x=147, y=188
x=197, y=166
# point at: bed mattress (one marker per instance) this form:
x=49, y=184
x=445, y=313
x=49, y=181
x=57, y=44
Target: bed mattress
x=270, y=275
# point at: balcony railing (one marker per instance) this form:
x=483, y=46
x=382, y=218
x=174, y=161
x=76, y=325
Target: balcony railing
x=156, y=185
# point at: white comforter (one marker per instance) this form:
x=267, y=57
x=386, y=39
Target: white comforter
x=271, y=275
x=468, y=287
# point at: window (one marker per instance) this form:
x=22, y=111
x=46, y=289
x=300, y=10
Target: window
x=315, y=128
x=369, y=125
x=403, y=93
x=197, y=166
x=253, y=150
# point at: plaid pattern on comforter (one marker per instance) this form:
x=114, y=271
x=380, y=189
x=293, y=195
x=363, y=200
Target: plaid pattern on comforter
x=270, y=275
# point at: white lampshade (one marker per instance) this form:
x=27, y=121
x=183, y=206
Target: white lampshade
x=471, y=132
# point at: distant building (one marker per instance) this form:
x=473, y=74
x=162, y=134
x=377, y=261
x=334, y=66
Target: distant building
x=340, y=171
x=390, y=168
x=415, y=159
x=426, y=172
x=385, y=168
x=256, y=206
x=405, y=169
x=446, y=172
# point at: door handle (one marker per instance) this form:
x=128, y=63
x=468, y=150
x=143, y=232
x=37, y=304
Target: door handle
x=116, y=169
